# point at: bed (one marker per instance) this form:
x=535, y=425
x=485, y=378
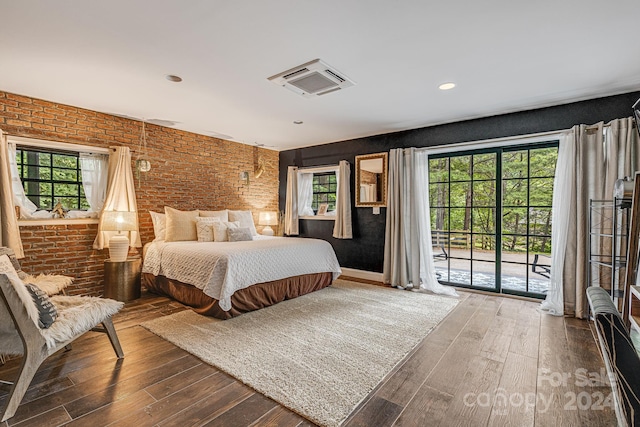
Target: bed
x=226, y=279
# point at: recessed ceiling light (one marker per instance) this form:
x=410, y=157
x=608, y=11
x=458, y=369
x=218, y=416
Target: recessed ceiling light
x=173, y=78
x=297, y=122
x=446, y=86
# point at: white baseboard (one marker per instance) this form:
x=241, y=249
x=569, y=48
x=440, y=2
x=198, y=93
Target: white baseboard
x=362, y=274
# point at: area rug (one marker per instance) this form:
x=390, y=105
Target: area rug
x=320, y=354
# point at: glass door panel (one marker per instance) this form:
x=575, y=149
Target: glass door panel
x=484, y=274
x=491, y=218
x=514, y=277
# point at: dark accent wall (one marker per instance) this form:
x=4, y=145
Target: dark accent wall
x=365, y=251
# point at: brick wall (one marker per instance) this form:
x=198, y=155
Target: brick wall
x=188, y=171
x=367, y=177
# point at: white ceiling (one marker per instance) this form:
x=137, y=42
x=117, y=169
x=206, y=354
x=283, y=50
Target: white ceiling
x=504, y=55
x=371, y=165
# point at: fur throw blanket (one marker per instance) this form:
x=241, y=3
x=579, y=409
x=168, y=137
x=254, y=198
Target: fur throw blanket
x=51, y=284
x=76, y=315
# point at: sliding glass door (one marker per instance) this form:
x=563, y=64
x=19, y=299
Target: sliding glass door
x=491, y=217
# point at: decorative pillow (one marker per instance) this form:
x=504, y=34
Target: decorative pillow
x=181, y=225
x=246, y=220
x=204, y=229
x=159, y=225
x=6, y=322
x=223, y=214
x=239, y=234
x=47, y=312
x=220, y=233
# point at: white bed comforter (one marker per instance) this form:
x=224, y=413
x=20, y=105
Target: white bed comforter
x=222, y=268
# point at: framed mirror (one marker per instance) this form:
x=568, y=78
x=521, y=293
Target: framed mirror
x=371, y=180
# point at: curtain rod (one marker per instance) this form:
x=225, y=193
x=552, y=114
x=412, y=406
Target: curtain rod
x=65, y=146
x=313, y=169
x=606, y=125
x=493, y=141
x=498, y=141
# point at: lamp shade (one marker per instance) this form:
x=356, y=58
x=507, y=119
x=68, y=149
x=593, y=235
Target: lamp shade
x=119, y=221
x=268, y=218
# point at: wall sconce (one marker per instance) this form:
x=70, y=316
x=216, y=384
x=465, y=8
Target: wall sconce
x=259, y=170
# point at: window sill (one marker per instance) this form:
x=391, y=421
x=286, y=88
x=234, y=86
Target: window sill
x=319, y=217
x=56, y=221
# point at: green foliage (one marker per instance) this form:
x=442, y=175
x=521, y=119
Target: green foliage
x=463, y=193
x=325, y=187
x=51, y=177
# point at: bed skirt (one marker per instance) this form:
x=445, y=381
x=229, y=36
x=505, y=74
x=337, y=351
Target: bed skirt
x=254, y=297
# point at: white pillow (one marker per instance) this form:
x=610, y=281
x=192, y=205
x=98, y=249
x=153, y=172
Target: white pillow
x=159, y=225
x=181, y=225
x=6, y=322
x=204, y=228
x=223, y=214
x=220, y=230
x=239, y=234
x=246, y=220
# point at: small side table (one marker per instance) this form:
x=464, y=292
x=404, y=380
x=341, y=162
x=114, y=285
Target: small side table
x=122, y=279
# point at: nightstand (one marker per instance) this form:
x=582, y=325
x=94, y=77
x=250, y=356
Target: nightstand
x=122, y=279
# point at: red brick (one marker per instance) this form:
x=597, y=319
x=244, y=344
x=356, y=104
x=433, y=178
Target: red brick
x=188, y=171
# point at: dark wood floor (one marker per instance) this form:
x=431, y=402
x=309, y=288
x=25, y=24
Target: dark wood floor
x=492, y=362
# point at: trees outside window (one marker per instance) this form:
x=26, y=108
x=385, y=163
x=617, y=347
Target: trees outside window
x=325, y=187
x=491, y=212
x=50, y=177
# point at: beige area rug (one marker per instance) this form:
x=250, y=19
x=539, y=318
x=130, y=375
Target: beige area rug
x=320, y=354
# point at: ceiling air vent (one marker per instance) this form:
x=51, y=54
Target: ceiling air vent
x=312, y=79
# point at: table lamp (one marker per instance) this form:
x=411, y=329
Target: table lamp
x=119, y=243
x=268, y=219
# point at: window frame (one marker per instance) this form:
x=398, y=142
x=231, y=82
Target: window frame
x=499, y=179
x=320, y=171
x=24, y=166
x=51, y=146
x=316, y=194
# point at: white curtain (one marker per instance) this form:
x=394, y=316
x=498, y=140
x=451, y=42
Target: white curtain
x=622, y=153
x=588, y=164
x=563, y=194
x=421, y=197
x=342, y=228
x=291, y=203
x=395, y=267
x=94, y=179
x=9, y=230
x=305, y=194
x=408, y=254
x=583, y=166
x=28, y=209
x=368, y=193
x=121, y=196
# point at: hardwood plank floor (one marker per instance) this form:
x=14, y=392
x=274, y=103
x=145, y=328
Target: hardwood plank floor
x=493, y=361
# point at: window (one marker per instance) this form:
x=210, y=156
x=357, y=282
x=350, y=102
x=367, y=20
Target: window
x=45, y=173
x=325, y=186
x=51, y=176
x=317, y=187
